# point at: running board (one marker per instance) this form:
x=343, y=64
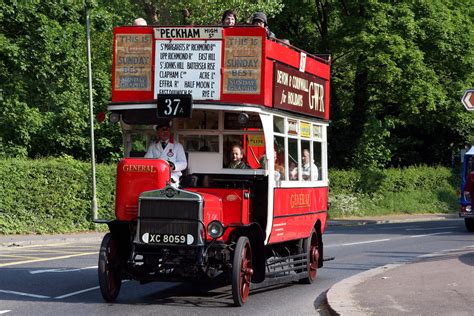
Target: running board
x=279, y=280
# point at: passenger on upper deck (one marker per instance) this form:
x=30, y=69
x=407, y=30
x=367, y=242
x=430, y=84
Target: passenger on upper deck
x=260, y=19
x=139, y=22
x=237, y=156
x=229, y=18
x=165, y=149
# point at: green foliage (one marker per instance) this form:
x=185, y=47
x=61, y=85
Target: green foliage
x=397, y=67
x=52, y=195
x=398, y=71
x=366, y=192
x=43, y=75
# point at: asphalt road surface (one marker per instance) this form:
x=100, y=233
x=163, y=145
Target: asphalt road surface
x=61, y=278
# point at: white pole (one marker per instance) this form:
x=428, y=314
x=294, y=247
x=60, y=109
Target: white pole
x=91, y=115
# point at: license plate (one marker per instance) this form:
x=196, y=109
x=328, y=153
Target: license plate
x=172, y=239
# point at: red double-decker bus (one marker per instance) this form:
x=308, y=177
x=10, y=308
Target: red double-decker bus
x=218, y=87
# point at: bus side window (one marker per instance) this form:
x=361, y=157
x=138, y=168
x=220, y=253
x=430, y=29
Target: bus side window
x=317, y=158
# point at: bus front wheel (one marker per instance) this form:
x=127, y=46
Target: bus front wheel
x=241, y=271
x=109, y=268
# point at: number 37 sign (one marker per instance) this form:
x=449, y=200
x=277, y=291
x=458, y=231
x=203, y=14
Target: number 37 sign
x=174, y=105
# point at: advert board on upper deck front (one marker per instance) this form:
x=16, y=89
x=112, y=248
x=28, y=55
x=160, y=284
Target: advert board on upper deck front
x=133, y=62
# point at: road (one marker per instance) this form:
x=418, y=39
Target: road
x=61, y=278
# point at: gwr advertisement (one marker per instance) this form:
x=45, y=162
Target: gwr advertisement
x=299, y=92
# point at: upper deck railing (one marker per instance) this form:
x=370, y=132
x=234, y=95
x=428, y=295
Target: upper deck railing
x=236, y=65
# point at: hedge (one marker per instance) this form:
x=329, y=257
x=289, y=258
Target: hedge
x=53, y=195
x=419, y=189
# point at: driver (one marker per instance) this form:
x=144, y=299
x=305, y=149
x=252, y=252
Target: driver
x=166, y=149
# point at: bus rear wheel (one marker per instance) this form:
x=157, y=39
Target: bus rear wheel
x=311, y=248
x=469, y=222
x=109, y=268
x=241, y=271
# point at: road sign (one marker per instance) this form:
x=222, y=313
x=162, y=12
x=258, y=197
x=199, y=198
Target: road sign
x=468, y=99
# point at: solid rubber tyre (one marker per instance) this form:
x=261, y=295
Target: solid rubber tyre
x=109, y=270
x=241, y=271
x=311, y=248
x=469, y=222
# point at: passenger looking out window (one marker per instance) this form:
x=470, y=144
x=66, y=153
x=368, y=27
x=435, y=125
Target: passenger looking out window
x=293, y=170
x=309, y=169
x=237, y=156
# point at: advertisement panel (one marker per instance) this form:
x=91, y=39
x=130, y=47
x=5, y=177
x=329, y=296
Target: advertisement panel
x=298, y=92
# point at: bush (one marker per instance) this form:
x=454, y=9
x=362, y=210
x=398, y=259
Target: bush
x=52, y=195
x=418, y=189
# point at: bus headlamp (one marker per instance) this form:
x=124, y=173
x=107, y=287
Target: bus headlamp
x=114, y=117
x=215, y=229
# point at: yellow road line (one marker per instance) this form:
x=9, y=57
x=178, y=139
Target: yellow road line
x=47, y=259
x=42, y=251
x=33, y=246
x=16, y=256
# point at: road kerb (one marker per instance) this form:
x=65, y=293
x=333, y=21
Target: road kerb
x=340, y=298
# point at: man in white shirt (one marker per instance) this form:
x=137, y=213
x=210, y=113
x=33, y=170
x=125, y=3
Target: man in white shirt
x=309, y=170
x=167, y=150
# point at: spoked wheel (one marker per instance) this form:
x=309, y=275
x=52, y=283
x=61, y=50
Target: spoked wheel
x=109, y=268
x=241, y=271
x=311, y=247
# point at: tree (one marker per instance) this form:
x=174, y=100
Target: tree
x=43, y=73
x=398, y=69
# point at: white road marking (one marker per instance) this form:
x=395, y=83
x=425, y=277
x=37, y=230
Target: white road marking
x=365, y=242
x=444, y=233
x=81, y=291
x=386, y=239
x=396, y=227
x=61, y=270
x=78, y=292
x=24, y=294
x=5, y=311
x=434, y=228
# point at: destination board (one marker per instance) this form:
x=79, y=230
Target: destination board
x=187, y=61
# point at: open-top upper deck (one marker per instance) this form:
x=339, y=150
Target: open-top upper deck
x=231, y=65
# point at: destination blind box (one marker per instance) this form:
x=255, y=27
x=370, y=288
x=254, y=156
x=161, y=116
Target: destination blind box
x=174, y=105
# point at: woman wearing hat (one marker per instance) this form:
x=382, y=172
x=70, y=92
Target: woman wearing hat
x=167, y=150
